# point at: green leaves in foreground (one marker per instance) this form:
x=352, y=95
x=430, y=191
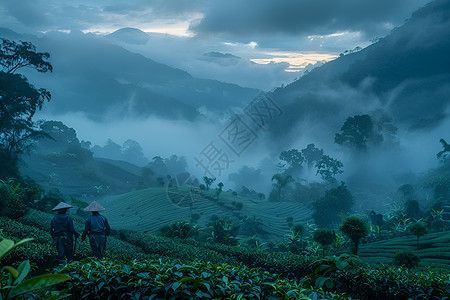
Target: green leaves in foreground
x=15, y=286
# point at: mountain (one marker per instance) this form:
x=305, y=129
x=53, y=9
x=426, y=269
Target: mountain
x=406, y=75
x=93, y=76
x=130, y=36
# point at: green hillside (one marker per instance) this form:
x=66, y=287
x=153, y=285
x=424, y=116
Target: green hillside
x=434, y=249
x=149, y=209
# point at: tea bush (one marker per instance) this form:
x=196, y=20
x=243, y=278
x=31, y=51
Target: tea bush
x=406, y=258
x=154, y=279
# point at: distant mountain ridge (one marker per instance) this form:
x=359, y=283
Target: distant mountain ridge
x=102, y=80
x=406, y=74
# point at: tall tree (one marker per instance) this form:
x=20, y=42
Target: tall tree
x=328, y=167
x=280, y=182
x=312, y=154
x=357, y=131
x=19, y=99
x=293, y=158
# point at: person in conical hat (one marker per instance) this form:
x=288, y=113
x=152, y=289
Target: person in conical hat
x=62, y=232
x=97, y=228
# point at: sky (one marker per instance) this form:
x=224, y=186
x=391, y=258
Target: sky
x=278, y=38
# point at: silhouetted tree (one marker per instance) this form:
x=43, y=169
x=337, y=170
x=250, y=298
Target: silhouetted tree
x=280, y=182
x=19, y=100
x=312, y=154
x=328, y=167
x=444, y=155
x=208, y=181
x=293, y=158
x=327, y=210
x=357, y=131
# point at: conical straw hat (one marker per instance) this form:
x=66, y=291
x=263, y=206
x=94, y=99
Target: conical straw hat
x=94, y=206
x=61, y=206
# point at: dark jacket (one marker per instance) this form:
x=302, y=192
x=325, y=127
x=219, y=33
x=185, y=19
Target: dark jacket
x=96, y=224
x=62, y=224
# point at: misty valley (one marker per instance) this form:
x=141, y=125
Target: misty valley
x=124, y=176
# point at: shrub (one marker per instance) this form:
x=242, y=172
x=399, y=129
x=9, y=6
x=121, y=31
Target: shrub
x=406, y=258
x=355, y=229
x=12, y=200
x=325, y=237
x=178, y=229
x=418, y=229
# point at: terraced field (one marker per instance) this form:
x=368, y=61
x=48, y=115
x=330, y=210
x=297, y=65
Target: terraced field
x=149, y=209
x=434, y=249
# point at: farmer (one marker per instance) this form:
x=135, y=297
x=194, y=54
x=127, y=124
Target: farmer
x=97, y=228
x=62, y=232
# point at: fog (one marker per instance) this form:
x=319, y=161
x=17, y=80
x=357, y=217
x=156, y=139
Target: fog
x=177, y=94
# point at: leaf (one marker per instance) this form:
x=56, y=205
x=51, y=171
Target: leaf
x=202, y=295
x=321, y=281
x=342, y=264
x=14, y=273
x=23, y=269
x=176, y=285
x=37, y=283
x=7, y=245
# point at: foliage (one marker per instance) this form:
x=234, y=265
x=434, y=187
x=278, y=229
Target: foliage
x=12, y=200
x=325, y=237
x=444, y=155
x=418, y=229
x=224, y=232
x=322, y=275
x=280, y=182
x=15, y=286
x=19, y=99
x=251, y=226
x=406, y=258
x=208, y=181
x=357, y=131
x=312, y=154
x=355, y=229
x=328, y=209
x=412, y=209
x=178, y=229
x=293, y=158
x=192, y=280
x=328, y=167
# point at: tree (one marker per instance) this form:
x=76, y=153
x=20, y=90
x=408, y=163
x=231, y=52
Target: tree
x=280, y=182
x=355, y=229
x=312, y=154
x=219, y=190
x=325, y=237
x=19, y=100
x=444, y=155
x=293, y=158
x=357, y=131
x=132, y=152
x=418, y=229
x=327, y=210
x=328, y=167
x=208, y=181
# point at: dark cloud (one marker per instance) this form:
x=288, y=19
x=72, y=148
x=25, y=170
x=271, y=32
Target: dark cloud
x=262, y=17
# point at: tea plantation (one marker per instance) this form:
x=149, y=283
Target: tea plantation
x=147, y=266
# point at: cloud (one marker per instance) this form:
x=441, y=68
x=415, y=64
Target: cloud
x=45, y=15
x=265, y=17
